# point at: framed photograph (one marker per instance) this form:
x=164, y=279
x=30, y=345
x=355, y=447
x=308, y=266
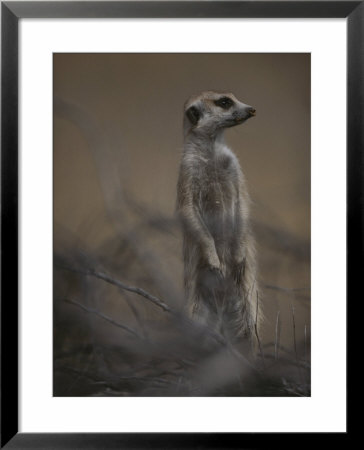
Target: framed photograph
x=181, y=214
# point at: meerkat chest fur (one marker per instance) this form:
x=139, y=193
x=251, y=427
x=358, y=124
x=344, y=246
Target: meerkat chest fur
x=217, y=191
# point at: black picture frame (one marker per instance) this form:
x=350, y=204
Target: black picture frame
x=11, y=12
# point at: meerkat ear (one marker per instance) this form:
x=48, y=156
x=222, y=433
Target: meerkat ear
x=193, y=115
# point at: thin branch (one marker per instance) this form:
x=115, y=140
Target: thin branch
x=295, y=344
x=256, y=330
x=294, y=332
x=102, y=316
x=278, y=335
x=305, y=343
x=114, y=382
x=283, y=289
x=137, y=316
x=113, y=281
x=281, y=348
x=284, y=360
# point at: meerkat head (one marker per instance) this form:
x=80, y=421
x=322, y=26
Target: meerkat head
x=211, y=111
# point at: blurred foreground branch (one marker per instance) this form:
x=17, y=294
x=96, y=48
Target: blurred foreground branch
x=109, y=279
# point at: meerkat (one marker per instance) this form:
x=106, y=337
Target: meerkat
x=213, y=205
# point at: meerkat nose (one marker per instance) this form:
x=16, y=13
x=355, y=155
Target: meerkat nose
x=252, y=111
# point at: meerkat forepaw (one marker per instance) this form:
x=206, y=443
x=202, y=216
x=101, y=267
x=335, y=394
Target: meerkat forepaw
x=216, y=266
x=238, y=272
x=223, y=269
x=217, y=272
x=213, y=260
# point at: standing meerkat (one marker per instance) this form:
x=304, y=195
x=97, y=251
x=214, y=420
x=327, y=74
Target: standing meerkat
x=213, y=205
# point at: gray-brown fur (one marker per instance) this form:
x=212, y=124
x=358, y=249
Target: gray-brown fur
x=213, y=205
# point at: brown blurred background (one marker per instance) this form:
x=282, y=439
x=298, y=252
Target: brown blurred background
x=117, y=146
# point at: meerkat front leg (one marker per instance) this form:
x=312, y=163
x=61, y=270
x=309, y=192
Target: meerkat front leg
x=199, y=232
x=194, y=224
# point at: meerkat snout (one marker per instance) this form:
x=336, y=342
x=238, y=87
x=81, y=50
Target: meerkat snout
x=252, y=111
x=243, y=114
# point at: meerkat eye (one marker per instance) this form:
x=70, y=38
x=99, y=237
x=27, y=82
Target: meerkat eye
x=224, y=102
